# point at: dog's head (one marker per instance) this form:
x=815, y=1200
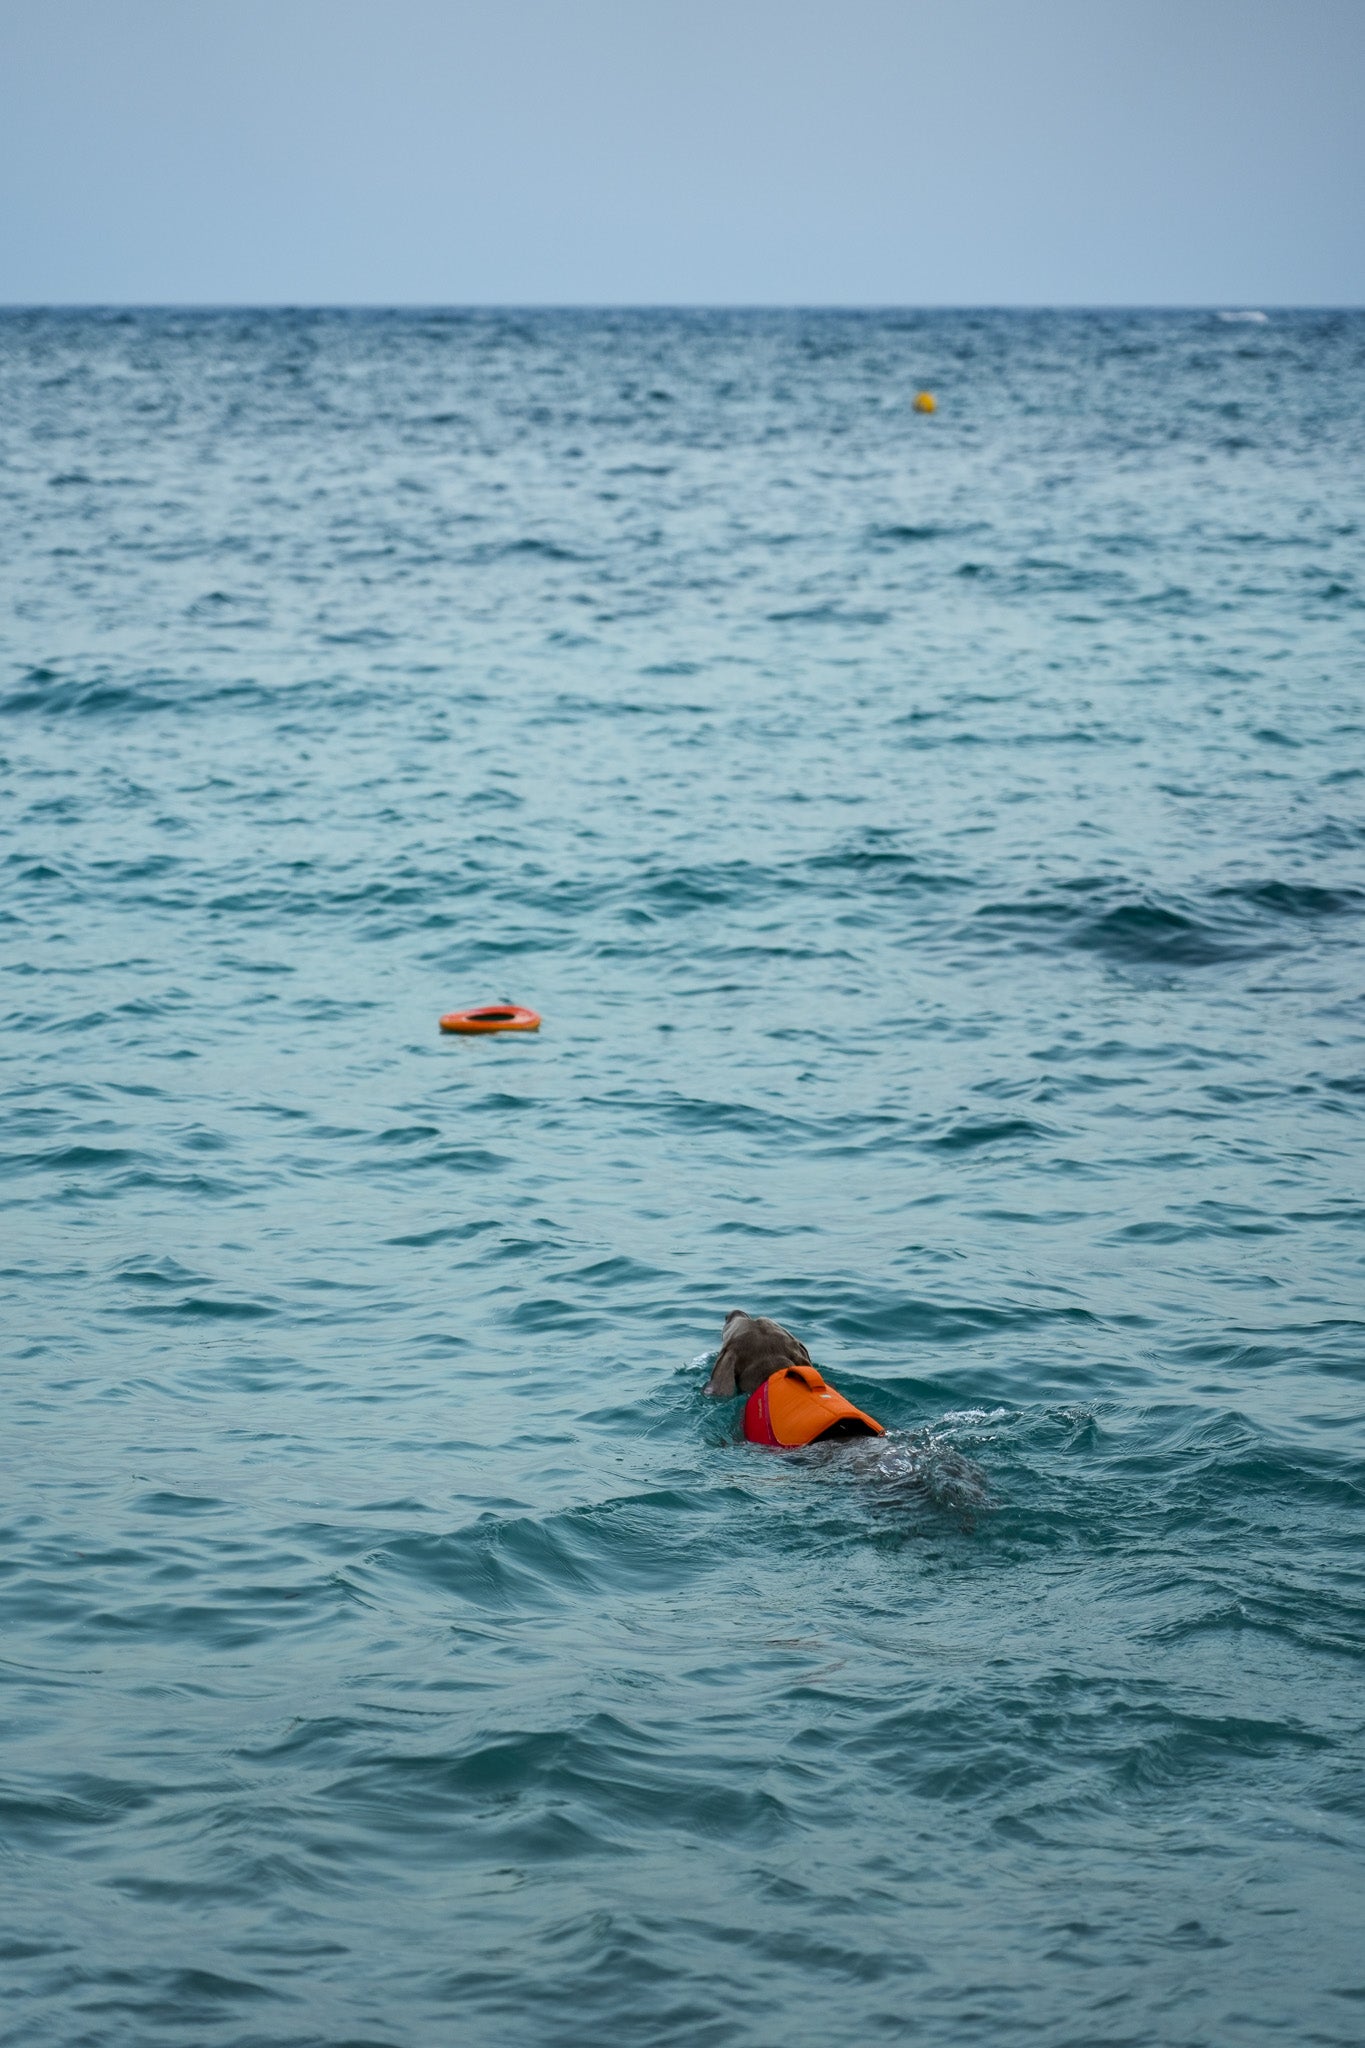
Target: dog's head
x=752, y=1348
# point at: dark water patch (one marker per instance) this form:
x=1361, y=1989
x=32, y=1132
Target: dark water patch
x=46, y=690
x=622, y=1546
x=164, y=1503
x=1206, y=1219
x=680, y=890
x=528, y=547
x=1295, y=900
x=968, y=1134
x=459, y=1159
x=893, y=535
x=1338, y=834
x=210, y=1307
x=829, y=615
x=1335, y=1345
x=536, y=1314
x=1154, y=931
x=1092, y=916
x=157, y=1273
x=876, y=864
x=738, y=1226
x=75, y=1158
x=921, y=1321
x=443, y=1233
x=84, y=1802
x=618, y=1275
x=104, y=695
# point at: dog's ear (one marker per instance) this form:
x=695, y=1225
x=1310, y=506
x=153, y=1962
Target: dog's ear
x=722, y=1380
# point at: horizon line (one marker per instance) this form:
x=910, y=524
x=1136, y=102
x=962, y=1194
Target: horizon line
x=675, y=306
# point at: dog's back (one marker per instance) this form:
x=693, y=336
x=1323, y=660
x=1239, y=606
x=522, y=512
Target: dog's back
x=752, y=1348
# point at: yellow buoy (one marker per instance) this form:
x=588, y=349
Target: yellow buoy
x=925, y=401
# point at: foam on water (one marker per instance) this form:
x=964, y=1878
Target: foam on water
x=934, y=845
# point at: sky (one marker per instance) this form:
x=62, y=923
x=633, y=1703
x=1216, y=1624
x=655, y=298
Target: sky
x=683, y=152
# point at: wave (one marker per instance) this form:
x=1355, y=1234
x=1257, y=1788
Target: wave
x=102, y=693
x=1230, y=922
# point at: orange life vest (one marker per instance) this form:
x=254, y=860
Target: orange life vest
x=796, y=1406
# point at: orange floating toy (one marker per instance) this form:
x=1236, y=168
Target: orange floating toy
x=492, y=1017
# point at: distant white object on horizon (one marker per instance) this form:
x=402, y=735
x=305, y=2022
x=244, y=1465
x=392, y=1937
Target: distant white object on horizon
x=1259, y=319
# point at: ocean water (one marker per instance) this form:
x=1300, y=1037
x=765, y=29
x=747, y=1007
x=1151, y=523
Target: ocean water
x=936, y=845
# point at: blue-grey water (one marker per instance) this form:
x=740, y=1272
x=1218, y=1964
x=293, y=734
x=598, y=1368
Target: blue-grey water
x=936, y=845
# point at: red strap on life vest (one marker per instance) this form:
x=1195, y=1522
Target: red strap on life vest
x=758, y=1427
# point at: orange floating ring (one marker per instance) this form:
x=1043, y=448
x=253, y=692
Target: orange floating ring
x=492, y=1017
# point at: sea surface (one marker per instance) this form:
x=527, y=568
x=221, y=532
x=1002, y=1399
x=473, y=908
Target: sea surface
x=936, y=845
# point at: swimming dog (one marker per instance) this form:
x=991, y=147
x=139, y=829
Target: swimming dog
x=787, y=1399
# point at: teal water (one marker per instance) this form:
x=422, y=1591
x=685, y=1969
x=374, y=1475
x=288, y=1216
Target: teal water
x=937, y=848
